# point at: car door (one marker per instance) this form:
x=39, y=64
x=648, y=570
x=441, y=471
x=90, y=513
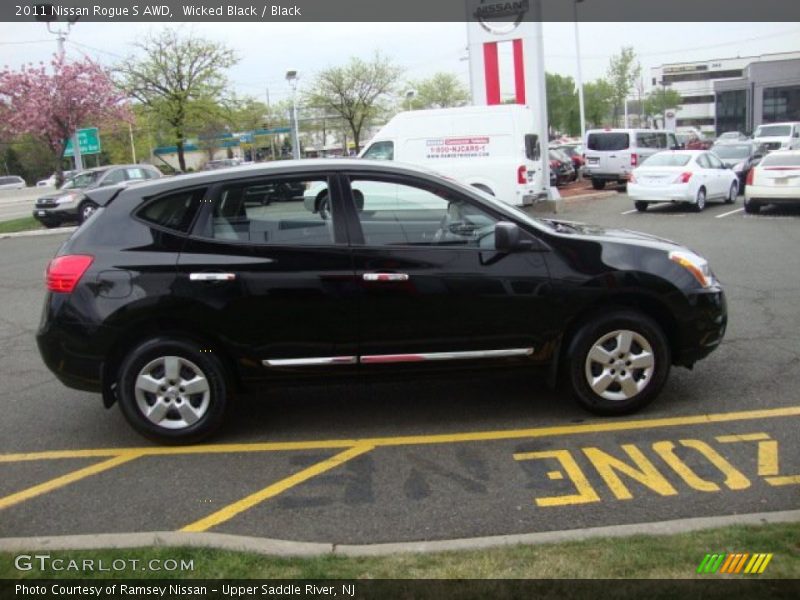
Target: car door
x=273, y=278
x=721, y=176
x=705, y=174
x=432, y=287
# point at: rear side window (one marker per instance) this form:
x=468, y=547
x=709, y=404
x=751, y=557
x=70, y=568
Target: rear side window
x=174, y=211
x=781, y=160
x=532, y=151
x=609, y=141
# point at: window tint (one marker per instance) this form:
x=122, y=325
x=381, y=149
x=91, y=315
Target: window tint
x=282, y=211
x=115, y=176
x=401, y=214
x=175, y=211
x=532, y=149
x=608, y=141
x=380, y=151
x=5, y=180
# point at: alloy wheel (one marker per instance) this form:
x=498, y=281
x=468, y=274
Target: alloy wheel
x=619, y=365
x=172, y=392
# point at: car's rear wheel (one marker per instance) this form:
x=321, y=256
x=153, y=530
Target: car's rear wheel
x=86, y=209
x=751, y=206
x=618, y=362
x=699, y=200
x=172, y=392
x=732, y=193
x=598, y=184
x=641, y=206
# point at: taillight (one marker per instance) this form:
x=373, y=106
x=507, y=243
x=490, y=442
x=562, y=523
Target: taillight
x=750, y=174
x=522, y=174
x=64, y=272
x=684, y=177
x=634, y=159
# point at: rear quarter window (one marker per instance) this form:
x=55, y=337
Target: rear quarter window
x=175, y=211
x=608, y=141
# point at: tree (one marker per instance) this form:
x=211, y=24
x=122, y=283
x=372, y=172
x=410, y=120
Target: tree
x=563, y=112
x=356, y=92
x=597, y=98
x=178, y=79
x=623, y=71
x=441, y=90
x=660, y=100
x=50, y=105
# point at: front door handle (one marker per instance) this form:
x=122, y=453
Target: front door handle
x=385, y=276
x=212, y=276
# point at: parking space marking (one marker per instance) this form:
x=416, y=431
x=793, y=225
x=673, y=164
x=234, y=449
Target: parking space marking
x=228, y=512
x=59, y=482
x=730, y=212
x=627, y=212
x=416, y=440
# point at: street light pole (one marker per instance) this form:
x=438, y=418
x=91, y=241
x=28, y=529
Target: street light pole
x=580, y=76
x=60, y=39
x=291, y=77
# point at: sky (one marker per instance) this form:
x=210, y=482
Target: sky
x=268, y=50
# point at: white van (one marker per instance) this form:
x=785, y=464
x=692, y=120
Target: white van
x=494, y=148
x=611, y=154
x=778, y=136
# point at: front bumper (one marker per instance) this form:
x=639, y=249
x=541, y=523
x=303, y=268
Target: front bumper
x=704, y=327
x=56, y=214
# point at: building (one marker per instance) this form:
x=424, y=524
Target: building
x=753, y=89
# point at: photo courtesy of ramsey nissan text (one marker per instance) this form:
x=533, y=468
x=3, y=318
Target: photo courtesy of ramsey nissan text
x=464, y=299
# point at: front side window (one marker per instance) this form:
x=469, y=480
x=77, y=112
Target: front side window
x=380, y=151
x=400, y=214
x=702, y=160
x=175, y=211
x=82, y=180
x=115, y=176
x=715, y=162
x=646, y=140
x=280, y=211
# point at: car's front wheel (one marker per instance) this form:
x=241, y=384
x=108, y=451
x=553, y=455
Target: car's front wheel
x=618, y=362
x=172, y=391
x=86, y=210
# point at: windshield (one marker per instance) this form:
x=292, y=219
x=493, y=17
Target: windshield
x=773, y=130
x=667, y=159
x=732, y=150
x=82, y=180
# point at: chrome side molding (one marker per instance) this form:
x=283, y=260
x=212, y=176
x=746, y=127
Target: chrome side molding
x=372, y=359
x=311, y=362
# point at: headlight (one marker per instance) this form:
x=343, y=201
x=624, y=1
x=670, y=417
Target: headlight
x=65, y=198
x=696, y=265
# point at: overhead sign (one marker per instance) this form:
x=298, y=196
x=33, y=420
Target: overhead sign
x=88, y=142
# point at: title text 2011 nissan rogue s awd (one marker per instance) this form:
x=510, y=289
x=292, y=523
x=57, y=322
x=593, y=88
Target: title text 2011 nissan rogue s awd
x=178, y=292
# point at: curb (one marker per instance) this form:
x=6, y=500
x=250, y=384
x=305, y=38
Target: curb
x=37, y=232
x=222, y=541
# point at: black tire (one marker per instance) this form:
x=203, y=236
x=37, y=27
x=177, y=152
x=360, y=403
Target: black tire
x=598, y=184
x=209, y=367
x=641, y=206
x=751, y=207
x=85, y=210
x=732, y=193
x=579, y=370
x=700, y=200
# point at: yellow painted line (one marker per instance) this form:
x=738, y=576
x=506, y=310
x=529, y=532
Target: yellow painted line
x=448, y=438
x=228, y=512
x=58, y=482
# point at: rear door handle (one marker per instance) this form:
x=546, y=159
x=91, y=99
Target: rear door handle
x=212, y=276
x=385, y=276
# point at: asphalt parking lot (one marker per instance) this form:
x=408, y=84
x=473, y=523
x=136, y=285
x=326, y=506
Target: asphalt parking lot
x=479, y=455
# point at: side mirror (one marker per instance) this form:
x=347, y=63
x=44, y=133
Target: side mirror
x=507, y=238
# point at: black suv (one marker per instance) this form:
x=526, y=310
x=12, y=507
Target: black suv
x=178, y=292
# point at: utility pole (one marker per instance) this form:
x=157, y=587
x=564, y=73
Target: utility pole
x=579, y=73
x=291, y=77
x=61, y=38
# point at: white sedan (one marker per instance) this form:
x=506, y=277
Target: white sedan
x=775, y=180
x=691, y=176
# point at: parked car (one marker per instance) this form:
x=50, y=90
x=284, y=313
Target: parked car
x=223, y=163
x=177, y=292
x=561, y=165
x=493, y=148
x=611, y=154
x=740, y=157
x=690, y=176
x=696, y=140
x=778, y=136
x=51, y=181
x=575, y=153
x=12, y=182
x=732, y=136
x=71, y=203
x=775, y=180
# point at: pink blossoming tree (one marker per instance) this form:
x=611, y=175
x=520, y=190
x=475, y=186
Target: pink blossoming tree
x=51, y=104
